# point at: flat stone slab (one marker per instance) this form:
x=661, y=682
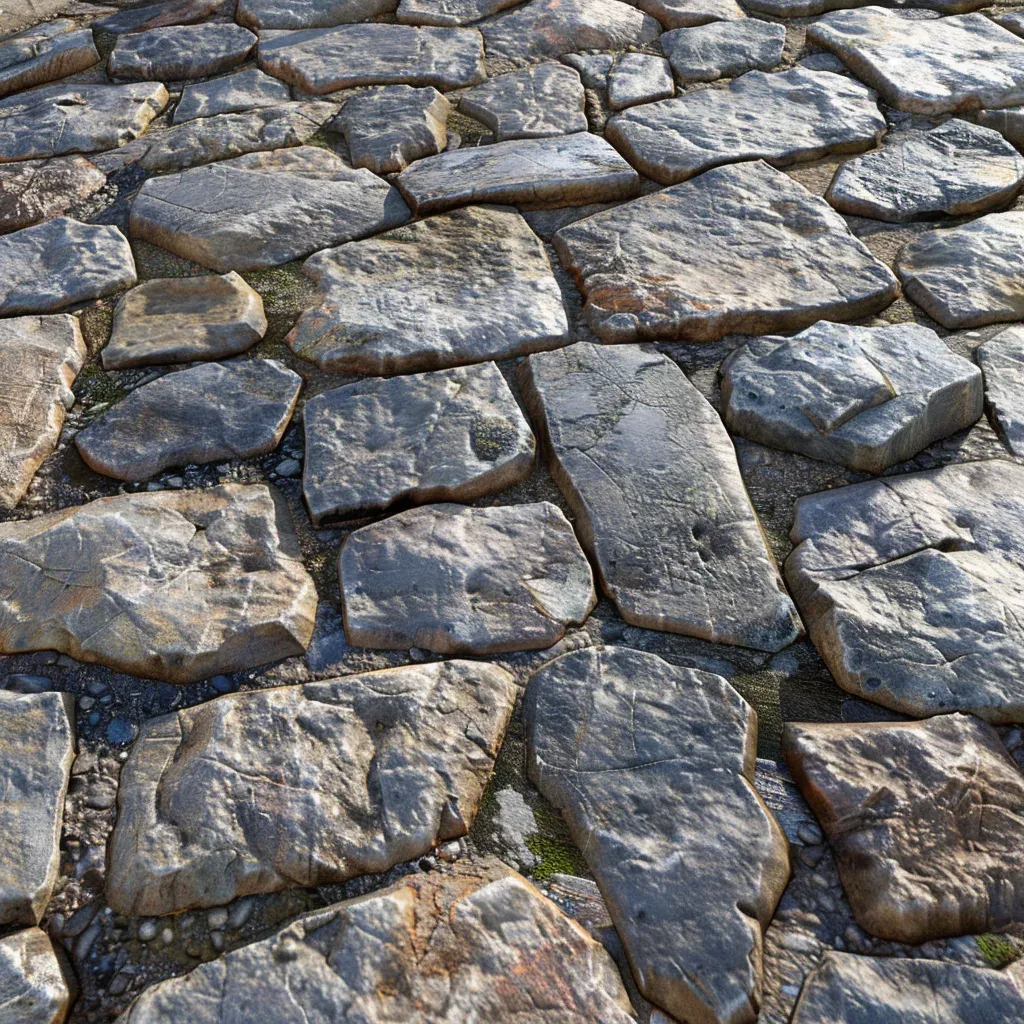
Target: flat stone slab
x=160, y=15
x=1008, y=122
x=957, y=169
x=34, y=985
x=47, y=52
x=171, y=585
x=462, y=287
x=60, y=262
x=338, y=778
x=567, y=170
x=740, y=249
x=264, y=209
x=325, y=60
x=783, y=118
x=687, y=13
x=453, y=435
x=35, y=190
x=179, y=51
x=911, y=588
x=40, y=356
x=236, y=93
x=865, y=397
x=449, y=12
x=297, y=14
x=811, y=8
x=458, y=580
x=652, y=766
x=676, y=541
x=968, y=276
x=1001, y=359
x=639, y=78
x=724, y=49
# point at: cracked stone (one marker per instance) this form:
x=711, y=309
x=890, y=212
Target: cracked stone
x=236, y=93
x=1001, y=359
x=35, y=190
x=36, y=984
x=47, y=52
x=304, y=14
x=688, y=13
x=449, y=13
x=724, y=49
x=639, y=78
x=179, y=51
x=160, y=15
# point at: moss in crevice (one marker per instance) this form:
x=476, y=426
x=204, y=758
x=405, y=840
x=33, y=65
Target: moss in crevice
x=998, y=950
x=553, y=846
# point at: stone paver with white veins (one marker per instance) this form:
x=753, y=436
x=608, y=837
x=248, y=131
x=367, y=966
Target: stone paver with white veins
x=299, y=14
x=179, y=51
x=724, y=49
x=232, y=94
x=457, y=580
x=647, y=467
x=462, y=287
x=1001, y=359
x=35, y=190
x=45, y=53
x=35, y=986
x=452, y=435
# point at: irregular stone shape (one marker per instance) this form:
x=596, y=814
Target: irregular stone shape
x=34, y=985
x=459, y=580
x=40, y=356
x=296, y=14
x=172, y=585
x=472, y=943
x=957, y=168
x=911, y=588
x=593, y=68
x=336, y=778
x=60, y=262
x=567, y=170
x=639, y=78
x=1009, y=123
x=264, y=209
x=454, y=435
x=928, y=66
x=326, y=60
x=449, y=12
x=179, y=51
x=968, y=276
x=35, y=190
x=241, y=91
x=687, y=13
x=865, y=397
x=724, y=49
x=782, y=118
x=740, y=249
x=810, y=8
x=44, y=53
x=676, y=541
x=546, y=99
x=1002, y=361
x=1012, y=20
x=62, y=119
x=652, y=766
x=388, y=128
x=160, y=15
x=459, y=288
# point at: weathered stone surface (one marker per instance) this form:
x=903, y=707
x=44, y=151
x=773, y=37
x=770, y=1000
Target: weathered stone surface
x=741, y=248
x=34, y=987
x=173, y=585
x=458, y=580
x=296, y=14
x=1009, y=123
x=179, y=51
x=675, y=539
x=810, y=8
x=1002, y=361
x=240, y=91
x=264, y=209
x=160, y=15
x=782, y=118
x=337, y=778
x=325, y=60
x=60, y=262
x=449, y=12
x=866, y=397
x=477, y=942
x=34, y=190
x=724, y=49
x=653, y=767
x=567, y=170
x=958, y=168
x=639, y=78
x=687, y=13
x=911, y=588
x=458, y=288
x=929, y=66
x=44, y=53
x=968, y=276
x=40, y=356
x=1012, y=20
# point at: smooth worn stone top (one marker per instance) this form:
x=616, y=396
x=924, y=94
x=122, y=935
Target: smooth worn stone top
x=35, y=986
x=172, y=585
x=35, y=190
x=740, y=249
x=1001, y=359
x=653, y=767
x=234, y=93
x=676, y=540
x=179, y=51
x=296, y=14
x=303, y=785
x=911, y=587
x=639, y=78
x=449, y=12
x=724, y=49
x=159, y=15
x=687, y=13
x=47, y=52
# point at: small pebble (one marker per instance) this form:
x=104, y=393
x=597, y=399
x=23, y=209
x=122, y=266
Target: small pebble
x=289, y=467
x=120, y=730
x=148, y=930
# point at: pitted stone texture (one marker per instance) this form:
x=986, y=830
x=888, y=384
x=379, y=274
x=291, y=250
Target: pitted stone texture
x=35, y=190
x=337, y=779
x=782, y=118
x=740, y=249
x=687, y=13
x=233, y=94
x=34, y=985
x=449, y=12
x=453, y=435
x=302, y=14
x=60, y=262
x=866, y=397
x=181, y=319
x=477, y=943
x=160, y=15
x=1001, y=359
x=651, y=474
x=653, y=767
x=639, y=78
x=724, y=49
x=567, y=170
x=911, y=588
x=958, y=168
x=546, y=99
x=458, y=580
x=968, y=276
x=47, y=52
x=40, y=356
x=264, y=209
x=172, y=585
x=179, y=51
x=325, y=60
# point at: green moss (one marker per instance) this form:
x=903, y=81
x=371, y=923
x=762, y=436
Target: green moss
x=998, y=950
x=553, y=846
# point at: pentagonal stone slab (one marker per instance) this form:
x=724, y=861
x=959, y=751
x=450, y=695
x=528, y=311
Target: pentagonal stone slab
x=462, y=287
x=43, y=54
x=160, y=15
x=653, y=768
x=232, y=94
x=173, y=585
x=866, y=397
x=34, y=190
x=911, y=588
x=338, y=778
x=36, y=986
x=741, y=248
x=449, y=12
x=1002, y=361
x=296, y=14
x=459, y=580
x=179, y=51
x=724, y=49
x=639, y=78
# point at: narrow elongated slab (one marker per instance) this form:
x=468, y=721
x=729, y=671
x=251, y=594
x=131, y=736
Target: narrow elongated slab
x=449, y=12
x=159, y=15
x=179, y=51
x=296, y=14
x=676, y=541
x=44, y=53
x=653, y=768
x=35, y=985
x=35, y=190
x=1001, y=359
x=687, y=13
